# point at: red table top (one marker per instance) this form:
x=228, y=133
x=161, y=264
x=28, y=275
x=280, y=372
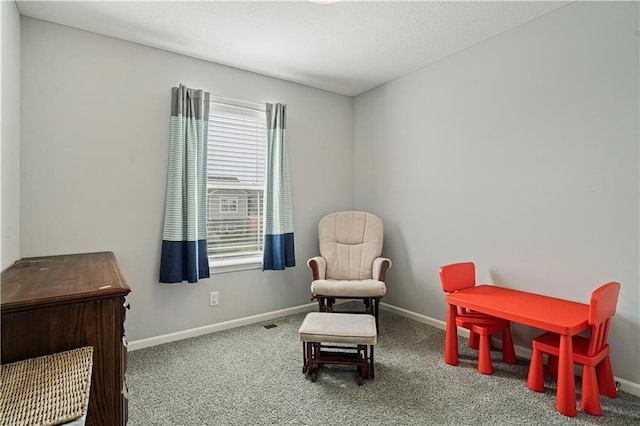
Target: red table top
x=544, y=312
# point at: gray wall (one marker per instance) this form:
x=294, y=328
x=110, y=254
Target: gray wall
x=95, y=140
x=10, y=163
x=520, y=154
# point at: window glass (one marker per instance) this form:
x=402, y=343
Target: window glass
x=235, y=183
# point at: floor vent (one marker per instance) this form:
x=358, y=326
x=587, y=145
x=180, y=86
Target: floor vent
x=276, y=324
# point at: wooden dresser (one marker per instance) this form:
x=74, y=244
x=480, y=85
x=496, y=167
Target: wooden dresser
x=56, y=303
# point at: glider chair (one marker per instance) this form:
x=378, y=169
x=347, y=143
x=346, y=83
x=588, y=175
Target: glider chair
x=592, y=352
x=458, y=276
x=349, y=265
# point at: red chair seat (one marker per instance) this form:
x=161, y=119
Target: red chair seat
x=488, y=322
x=550, y=343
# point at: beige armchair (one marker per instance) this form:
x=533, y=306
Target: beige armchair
x=349, y=265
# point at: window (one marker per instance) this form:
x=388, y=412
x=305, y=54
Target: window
x=235, y=186
x=228, y=205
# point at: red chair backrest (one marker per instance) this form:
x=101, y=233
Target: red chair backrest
x=602, y=307
x=457, y=276
x=603, y=302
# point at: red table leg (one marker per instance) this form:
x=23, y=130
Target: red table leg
x=566, y=396
x=451, y=337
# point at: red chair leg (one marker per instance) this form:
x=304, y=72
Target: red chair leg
x=606, y=382
x=508, y=353
x=474, y=340
x=552, y=365
x=535, y=380
x=484, y=355
x=590, y=401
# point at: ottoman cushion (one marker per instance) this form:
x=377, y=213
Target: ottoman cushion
x=327, y=327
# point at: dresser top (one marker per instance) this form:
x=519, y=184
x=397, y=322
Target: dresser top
x=37, y=281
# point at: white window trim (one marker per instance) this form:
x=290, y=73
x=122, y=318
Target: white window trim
x=217, y=266
x=262, y=107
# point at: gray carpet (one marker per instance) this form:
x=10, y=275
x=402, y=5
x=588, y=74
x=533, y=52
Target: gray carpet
x=253, y=376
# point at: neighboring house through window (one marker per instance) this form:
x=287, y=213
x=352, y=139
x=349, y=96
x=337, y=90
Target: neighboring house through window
x=228, y=204
x=235, y=186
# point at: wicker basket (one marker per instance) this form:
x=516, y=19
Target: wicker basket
x=48, y=390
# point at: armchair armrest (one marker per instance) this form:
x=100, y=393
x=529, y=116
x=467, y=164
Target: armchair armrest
x=318, y=265
x=380, y=266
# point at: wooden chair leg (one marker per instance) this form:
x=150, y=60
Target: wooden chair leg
x=367, y=305
x=330, y=302
x=313, y=349
x=321, y=304
x=371, y=363
x=590, y=401
x=484, y=355
x=360, y=354
x=376, y=313
x=365, y=359
x=304, y=357
x=535, y=379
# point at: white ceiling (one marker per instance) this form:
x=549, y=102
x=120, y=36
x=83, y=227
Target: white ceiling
x=347, y=47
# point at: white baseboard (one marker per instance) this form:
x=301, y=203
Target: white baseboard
x=212, y=328
x=625, y=385
x=421, y=318
x=628, y=386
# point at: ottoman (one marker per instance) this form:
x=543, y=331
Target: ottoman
x=338, y=338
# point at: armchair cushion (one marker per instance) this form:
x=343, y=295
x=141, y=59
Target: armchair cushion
x=350, y=241
x=349, y=288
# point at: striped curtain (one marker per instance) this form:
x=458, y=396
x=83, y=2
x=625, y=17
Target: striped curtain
x=184, y=237
x=278, y=239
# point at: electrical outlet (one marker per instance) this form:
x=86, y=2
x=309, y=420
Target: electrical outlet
x=213, y=298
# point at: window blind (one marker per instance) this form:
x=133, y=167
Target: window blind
x=235, y=181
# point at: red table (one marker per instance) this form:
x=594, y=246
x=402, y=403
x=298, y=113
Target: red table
x=547, y=313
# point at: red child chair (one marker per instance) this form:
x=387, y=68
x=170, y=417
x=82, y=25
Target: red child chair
x=592, y=353
x=458, y=276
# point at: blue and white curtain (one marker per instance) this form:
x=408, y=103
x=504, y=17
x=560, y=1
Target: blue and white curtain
x=184, y=237
x=278, y=239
